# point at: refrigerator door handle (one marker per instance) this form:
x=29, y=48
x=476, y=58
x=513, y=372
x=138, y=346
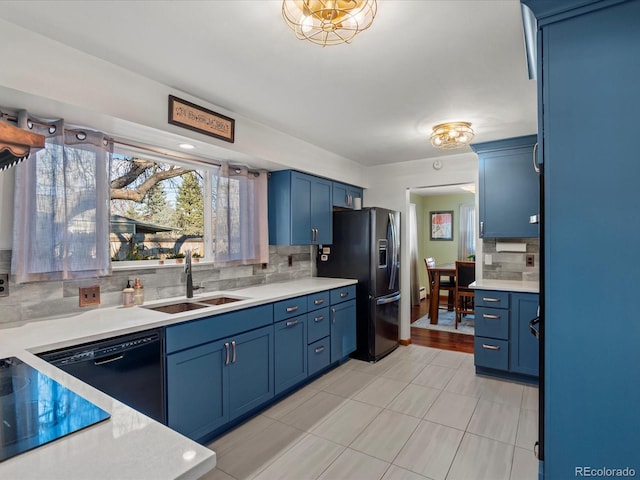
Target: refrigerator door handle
x=394, y=253
x=390, y=299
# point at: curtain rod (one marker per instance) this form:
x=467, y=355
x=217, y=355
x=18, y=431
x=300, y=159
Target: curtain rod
x=14, y=119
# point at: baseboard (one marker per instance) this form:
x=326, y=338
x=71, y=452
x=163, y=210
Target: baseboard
x=405, y=342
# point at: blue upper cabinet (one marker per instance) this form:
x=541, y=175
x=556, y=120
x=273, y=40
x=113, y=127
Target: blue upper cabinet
x=344, y=195
x=300, y=209
x=509, y=188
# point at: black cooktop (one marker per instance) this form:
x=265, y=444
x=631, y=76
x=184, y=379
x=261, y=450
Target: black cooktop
x=34, y=409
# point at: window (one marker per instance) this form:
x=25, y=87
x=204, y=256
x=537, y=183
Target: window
x=160, y=209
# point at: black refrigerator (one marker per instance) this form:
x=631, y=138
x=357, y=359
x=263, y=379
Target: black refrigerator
x=366, y=247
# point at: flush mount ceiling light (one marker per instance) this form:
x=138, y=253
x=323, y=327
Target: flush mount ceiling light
x=451, y=135
x=328, y=22
x=186, y=146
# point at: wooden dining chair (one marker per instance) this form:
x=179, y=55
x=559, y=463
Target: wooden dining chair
x=464, y=296
x=445, y=284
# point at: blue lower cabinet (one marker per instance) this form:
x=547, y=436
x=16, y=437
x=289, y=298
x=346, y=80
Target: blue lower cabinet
x=251, y=381
x=197, y=381
x=343, y=330
x=319, y=355
x=523, y=346
x=491, y=353
x=212, y=384
x=290, y=353
x=318, y=324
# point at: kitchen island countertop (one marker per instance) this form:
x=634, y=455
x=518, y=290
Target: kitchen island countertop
x=506, y=285
x=129, y=444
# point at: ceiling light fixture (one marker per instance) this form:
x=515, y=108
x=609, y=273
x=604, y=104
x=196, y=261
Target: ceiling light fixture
x=328, y=22
x=451, y=135
x=186, y=146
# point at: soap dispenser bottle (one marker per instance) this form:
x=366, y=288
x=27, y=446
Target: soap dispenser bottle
x=138, y=292
x=127, y=295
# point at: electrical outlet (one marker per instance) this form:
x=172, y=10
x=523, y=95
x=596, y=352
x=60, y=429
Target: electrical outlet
x=4, y=284
x=530, y=260
x=89, y=296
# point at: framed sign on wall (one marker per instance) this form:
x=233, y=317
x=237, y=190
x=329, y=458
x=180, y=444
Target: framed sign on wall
x=441, y=225
x=199, y=119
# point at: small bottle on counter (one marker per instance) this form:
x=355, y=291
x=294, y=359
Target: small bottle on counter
x=127, y=295
x=138, y=292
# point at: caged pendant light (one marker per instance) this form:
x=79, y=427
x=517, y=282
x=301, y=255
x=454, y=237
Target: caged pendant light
x=451, y=135
x=328, y=22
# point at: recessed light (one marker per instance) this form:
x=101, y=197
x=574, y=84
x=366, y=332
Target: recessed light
x=186, y=146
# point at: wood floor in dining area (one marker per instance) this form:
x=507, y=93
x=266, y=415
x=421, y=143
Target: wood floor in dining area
x=437, y=339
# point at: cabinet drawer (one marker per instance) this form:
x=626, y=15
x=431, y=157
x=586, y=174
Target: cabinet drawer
x=492, y=298
x=318, y=324
x=318, y=300
x=343, y=294
x=201, y=331
x=491, y=353
x=318, y=355
x=492, y=322
x=292, y=307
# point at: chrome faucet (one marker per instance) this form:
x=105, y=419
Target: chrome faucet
x=187, y=271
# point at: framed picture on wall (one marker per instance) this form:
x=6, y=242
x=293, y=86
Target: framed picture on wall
x=442, y=225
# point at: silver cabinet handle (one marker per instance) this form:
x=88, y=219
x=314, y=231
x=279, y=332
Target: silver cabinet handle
x=318, y=319
x=490, y=347
x=319, y=350
x=490, y=299
x=318, y=301
x=233, y=359
x=291, y=323
x=333, y=315
x=226, y=347
x=487, y=315
x=344, y=294
x=481, y=229
x=292, y=309
x=536, y=166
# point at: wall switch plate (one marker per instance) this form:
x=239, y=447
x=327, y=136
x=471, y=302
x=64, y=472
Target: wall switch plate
x=89, y=296
x=488, y=259
x=4, y=284
x=529, y=260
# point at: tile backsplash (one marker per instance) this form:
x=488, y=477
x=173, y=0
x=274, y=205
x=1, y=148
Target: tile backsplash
x=44, y=300
x=511, y=265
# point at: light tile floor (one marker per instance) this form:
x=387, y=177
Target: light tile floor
x=420, y=413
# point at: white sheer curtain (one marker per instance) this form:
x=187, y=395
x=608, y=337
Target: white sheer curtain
x=467, y=243
x=61, y=217
x=239, y=214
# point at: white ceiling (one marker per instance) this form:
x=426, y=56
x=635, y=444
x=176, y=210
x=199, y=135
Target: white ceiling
x=373, y=101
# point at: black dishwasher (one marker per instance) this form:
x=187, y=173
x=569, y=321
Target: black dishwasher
x=128, y=368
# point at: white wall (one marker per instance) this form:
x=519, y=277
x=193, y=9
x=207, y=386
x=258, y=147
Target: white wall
x=389, y=188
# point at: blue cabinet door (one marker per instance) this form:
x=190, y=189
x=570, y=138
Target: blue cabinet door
x=322, y=211
x=523, y=346
x=250, y=370
x=290, y=352
x=344, y=195
x=301, y=228
x=508, y=190
x=196, y=387
x=343, y=330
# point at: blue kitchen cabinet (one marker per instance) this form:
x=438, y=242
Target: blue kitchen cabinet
x=300, y=209
x=588, y=75
x=212, y=382
x=343, y=322
x=508, y=188
x=503, y=344
x=197, y=383
x=523, y=345
x=344, y=195
x=290, y=353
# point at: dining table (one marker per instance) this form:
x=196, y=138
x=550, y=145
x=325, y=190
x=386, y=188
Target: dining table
x=444, y=270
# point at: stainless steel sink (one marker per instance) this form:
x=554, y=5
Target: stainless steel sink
x=218, y=300
x=179, y=307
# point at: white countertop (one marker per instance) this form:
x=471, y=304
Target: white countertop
x=506, y=285
x=129, y=444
